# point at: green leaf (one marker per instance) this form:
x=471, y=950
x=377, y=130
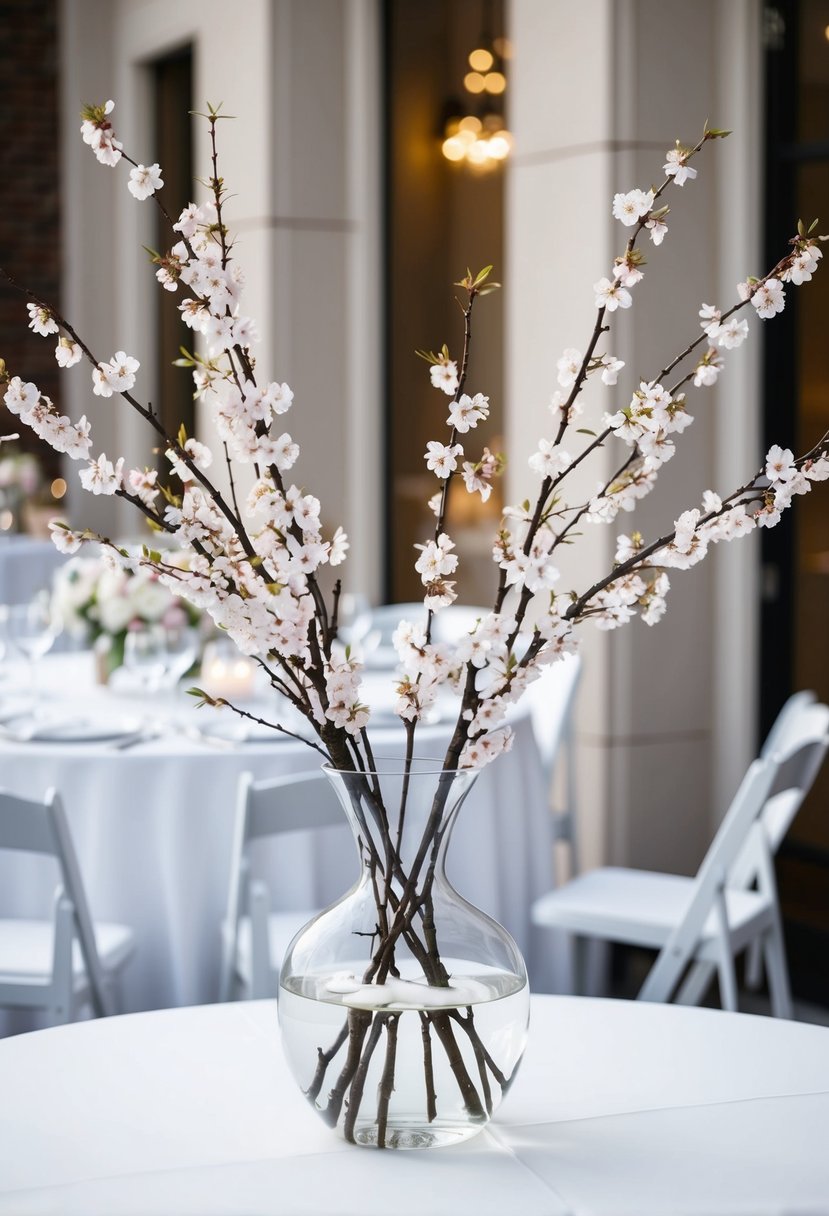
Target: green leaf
x=812, y=226
x=584, y=430
x=482, y=275
x=205, y=698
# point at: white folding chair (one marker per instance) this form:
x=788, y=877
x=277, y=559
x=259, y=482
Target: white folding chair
x=785, y=726
x=797, y=714
x=254, y=939
x=68, y=962
x=700, y=924
x=552, y=701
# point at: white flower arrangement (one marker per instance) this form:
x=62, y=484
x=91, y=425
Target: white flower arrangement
x=92, y=596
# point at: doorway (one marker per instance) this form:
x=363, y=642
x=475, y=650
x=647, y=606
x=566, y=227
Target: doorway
x=442, y=215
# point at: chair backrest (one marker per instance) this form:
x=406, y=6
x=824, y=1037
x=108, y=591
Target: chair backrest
x=766, y=779
x=297, y=802
x=41, y=827
x=778, y=737
x=802, y=720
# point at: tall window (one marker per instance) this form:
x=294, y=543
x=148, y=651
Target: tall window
x=795, y=633
x=172, y=80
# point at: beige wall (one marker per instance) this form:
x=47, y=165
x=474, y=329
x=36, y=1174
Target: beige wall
x=600, y=90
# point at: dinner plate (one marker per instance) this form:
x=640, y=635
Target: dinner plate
x=82, y=730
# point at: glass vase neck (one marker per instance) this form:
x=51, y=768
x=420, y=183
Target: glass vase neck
x=409, y=808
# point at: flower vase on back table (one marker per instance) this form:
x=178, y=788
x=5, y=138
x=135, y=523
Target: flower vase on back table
x=403, y=1008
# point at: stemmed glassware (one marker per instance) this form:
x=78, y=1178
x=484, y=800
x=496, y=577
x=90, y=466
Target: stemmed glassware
x=144, y=655
x=159, y=655
x=30, y=629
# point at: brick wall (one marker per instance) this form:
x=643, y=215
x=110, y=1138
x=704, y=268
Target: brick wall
x=30, y=205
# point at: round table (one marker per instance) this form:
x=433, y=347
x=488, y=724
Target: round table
x=153, y=829
x=619, y=1107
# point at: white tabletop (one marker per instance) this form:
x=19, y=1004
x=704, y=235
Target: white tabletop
x=619, y=1107
x=153, y=828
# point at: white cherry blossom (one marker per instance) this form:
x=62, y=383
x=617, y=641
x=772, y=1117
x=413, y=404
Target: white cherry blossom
x=732, y=333
x=442, y=459
x=569, y=366
x=779, y=464
x=41, y=320
x=611, y=366
x=144, y=181
x=611, y=295
x=708, y=369
x=550, y=459
x=101, y=476
x=676, y=166
x=658, y=230
x=631, y=207
x=467, y=412
x=21, y=398
x=769, y=298
x=444, y=376
x=68, y=353
x=97, y=132
x=803, y=265
x=64, y=538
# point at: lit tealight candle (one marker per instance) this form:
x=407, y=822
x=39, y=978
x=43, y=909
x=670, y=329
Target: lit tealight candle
x=226, y=676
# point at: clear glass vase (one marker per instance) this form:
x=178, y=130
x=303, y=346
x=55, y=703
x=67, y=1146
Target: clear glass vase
x=403, y=1008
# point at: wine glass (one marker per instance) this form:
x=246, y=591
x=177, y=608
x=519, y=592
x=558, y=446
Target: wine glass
x=145, y=650
x=31, y=630
x=181, y=648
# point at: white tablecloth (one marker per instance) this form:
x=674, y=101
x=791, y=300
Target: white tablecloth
x=152, y=827
x=618, y=1108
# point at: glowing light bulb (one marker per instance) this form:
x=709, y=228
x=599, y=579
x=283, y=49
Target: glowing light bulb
x=58, y=487
x=480, y=60
x=471, y=123
x=474, y=82
x=478, y=153
x=454, y=148
x=499, y=147
x=6, y=520
x=495, y=82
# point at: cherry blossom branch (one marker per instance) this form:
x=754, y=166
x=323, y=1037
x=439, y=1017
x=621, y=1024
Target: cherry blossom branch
x=149, y=416
x=751, y=489
x=218, y=702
